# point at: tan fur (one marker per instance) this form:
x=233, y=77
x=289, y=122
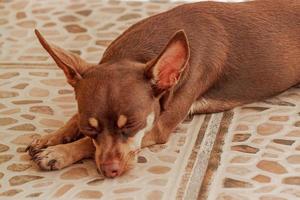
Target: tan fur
x=122, y=121
x=93, y=122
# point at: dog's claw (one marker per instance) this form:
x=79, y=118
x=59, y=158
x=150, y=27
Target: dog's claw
x=51, y=163
x=27, y=148
x=33, y=151
x=37, y=159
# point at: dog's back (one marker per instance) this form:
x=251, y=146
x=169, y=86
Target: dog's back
x=264, y=49
x=253, y=47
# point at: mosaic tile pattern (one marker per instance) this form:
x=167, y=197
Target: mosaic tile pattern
x=83, y=27
x=34, y=102
x=261, y=158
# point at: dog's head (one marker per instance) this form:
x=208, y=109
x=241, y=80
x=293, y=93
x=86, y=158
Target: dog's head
x=119, y=101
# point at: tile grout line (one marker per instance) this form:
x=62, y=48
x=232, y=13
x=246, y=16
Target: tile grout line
x=192, y=158
x=221, y=168
x=202, y=159
x=215, y=157
x=196, y=124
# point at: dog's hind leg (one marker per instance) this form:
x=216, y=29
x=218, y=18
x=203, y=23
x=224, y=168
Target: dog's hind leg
x=63, y=155
x=209, y=105
x=69, y=132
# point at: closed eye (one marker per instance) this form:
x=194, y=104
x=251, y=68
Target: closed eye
x=134, y=124
x=131, y=128
x=88, y=131
x=125, y=133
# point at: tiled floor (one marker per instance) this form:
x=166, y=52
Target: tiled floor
x=261, y=155
x=84, y=27
x=260, y=158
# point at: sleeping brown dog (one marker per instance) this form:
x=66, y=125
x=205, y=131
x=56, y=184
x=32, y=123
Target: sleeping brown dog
x=198, y=58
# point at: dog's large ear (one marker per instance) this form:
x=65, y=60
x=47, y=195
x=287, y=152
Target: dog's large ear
x=72, y=65
x=165, y=70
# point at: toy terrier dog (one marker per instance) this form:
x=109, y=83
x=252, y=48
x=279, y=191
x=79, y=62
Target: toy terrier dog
x=196, y=58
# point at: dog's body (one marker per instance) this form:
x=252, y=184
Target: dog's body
x=202, y=57
x=240, y=53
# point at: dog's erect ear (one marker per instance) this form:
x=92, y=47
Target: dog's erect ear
x=165, y=70
x=72, y=65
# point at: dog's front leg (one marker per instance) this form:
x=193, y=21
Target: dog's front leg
x=168, y=120
x=63, y=155
x=152, y=137
x=159, y=134
x=69, y=132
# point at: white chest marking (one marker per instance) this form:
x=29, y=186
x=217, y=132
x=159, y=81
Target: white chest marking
x=137, y=140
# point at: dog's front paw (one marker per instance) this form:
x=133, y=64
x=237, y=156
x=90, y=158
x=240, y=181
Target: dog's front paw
x=36, y=146
x=154, y=136
x=39, y=143
x=52, y=158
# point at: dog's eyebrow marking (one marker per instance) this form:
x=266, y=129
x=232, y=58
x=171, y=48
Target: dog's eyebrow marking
x=121, y=121
x=93, y=122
